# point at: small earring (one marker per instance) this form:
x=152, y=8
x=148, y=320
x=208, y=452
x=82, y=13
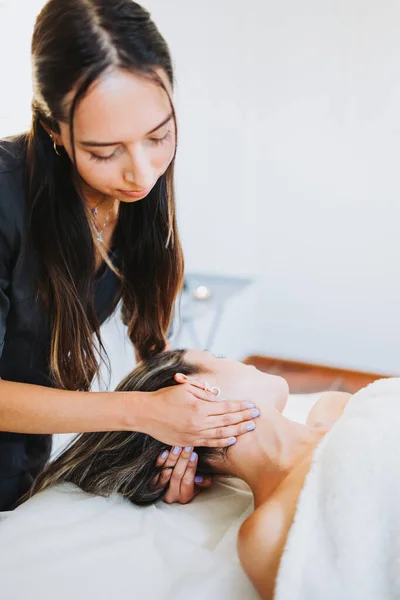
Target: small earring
x=216, y=391
x=213, y=390
x=55, y=145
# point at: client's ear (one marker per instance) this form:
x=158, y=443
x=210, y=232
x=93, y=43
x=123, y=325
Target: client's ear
x=181, y=378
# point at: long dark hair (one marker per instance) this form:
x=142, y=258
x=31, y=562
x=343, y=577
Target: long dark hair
x=73, y=44
x=124, y=462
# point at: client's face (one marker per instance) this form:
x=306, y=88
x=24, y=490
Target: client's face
x=240, y=382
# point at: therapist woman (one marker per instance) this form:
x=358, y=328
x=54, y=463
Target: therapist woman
x=87, y=219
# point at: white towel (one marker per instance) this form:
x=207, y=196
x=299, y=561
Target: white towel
x=345, y=540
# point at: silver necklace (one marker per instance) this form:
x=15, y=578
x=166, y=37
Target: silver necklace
x=95, y=211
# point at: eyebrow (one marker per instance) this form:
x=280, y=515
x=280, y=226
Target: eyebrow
x=97, y=144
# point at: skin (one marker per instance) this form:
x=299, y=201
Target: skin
x=125, y=109
x=238, y=381
x=274, y=460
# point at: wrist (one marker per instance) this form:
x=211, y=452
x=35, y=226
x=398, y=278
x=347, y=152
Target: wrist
x=133, y=410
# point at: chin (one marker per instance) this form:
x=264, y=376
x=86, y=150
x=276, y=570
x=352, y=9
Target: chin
x=281, y=392
x=126, y=200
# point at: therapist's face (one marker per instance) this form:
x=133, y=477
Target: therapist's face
x=124, y=136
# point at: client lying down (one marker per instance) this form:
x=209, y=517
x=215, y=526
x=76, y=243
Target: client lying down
x=287, y=548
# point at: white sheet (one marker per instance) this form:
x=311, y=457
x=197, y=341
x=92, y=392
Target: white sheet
x=66, y=545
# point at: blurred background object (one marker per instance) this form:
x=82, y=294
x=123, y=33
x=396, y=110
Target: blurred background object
x=304, y=378
x=204, y=299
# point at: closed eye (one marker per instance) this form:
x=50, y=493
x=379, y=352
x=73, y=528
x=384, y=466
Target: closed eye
x=97, y=158
x=159, y=141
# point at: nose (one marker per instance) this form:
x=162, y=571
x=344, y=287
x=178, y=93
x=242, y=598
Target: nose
x=140, y=171
x=128, y=177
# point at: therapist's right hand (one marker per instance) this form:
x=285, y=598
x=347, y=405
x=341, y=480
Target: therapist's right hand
x=186, y=415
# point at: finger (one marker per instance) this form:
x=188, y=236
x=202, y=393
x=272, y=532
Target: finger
x=215, y=443
x=230, y=432
x=203, y=481
x=200, y=393
x=180, y=378
x=173, y=492
x=163, y=477
x=213, y=392
x=230, y=419
x=188, y=489
x=162, y=458
x=168, y=461
x=173, y=457
x=224, y=407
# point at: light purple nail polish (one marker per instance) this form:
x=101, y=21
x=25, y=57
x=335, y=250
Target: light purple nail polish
x=250, y=426
x=199, y=479
x=231, y=441
x=250, y=405
x=255, y=413
x=193, y=457
x=164, y=454
x=176, y=450
x=188, y=448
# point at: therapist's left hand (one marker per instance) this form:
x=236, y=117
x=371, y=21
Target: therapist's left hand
x=180, y=466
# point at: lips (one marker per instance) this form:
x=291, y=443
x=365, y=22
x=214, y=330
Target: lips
x=134, y=193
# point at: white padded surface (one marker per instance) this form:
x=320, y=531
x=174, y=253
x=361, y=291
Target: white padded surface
x=64, y=544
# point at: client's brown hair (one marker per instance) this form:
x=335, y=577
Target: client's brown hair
x=123, y=462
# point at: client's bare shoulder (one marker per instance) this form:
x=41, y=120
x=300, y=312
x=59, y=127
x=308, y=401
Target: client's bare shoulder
x=262, y=537
x=328, y=409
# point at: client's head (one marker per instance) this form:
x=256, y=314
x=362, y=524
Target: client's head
x=124, y=462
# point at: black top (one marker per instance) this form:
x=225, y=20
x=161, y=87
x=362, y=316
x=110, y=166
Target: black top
x=24, y=328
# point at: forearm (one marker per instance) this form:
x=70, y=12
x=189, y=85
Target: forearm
x=26, y=408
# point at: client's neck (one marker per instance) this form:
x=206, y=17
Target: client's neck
x=271, y=453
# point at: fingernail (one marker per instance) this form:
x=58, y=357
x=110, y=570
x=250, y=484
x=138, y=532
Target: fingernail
x=199, y=479
x=231, y=441
x=176, y=450
x=182, y=375
x=250, y=405
x=250, y=426
x=193, y=457
x=255, y=413
x=164, y=454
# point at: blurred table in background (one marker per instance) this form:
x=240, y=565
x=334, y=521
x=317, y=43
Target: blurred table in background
x=204, y=295
x=304, y=378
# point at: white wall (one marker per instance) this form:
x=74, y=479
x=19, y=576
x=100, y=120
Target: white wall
x=287, y=169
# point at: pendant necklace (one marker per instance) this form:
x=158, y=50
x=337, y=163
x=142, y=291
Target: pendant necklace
x=95, y=211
